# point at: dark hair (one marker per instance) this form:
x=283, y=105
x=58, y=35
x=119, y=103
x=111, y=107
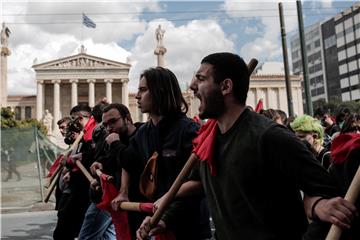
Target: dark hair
x=341, y=114
x=165, y=91
x=97, y=111
x=80, y=108
x=348, y=126
x=64, y=119
x=122, y=109
x=283, y=115
x=270, y=113
x=229, y=65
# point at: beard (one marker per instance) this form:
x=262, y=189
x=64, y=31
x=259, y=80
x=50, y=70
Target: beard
x=214, y=104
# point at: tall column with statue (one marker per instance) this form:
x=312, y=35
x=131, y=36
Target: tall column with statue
x=160, y=50
x=5, y=52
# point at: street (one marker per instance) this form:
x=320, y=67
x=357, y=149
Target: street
x=28, y=225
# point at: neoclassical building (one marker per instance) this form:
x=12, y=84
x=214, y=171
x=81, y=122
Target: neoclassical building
x=81, y=78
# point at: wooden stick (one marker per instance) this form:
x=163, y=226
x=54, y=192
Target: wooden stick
x=66, y=154
x=134, y=206
x=351, y=196
x=57, y=171
x=52, y=185
x=108, y=177
x=170, y=195
x=92, y=180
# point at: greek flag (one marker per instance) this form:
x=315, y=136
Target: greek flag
x=88, y=22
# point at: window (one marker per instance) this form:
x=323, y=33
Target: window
x=343, y=69
x=351, y=51
x=27, y=112
x=341, y=55
x=352, y=65
x=357, y=18
x=18, y=113
x=340, y=41
x=345, y=96
x=354, y=80
x=339, y=28
x=348, y=23
x=330, y=41
x=349, y=37
x=355, y=94
x=317, y=43
x=344, y=82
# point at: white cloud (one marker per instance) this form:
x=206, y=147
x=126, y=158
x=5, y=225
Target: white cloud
x=186, y=46
x=267, y=46
x=31, y=39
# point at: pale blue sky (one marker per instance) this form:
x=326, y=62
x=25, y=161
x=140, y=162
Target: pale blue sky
x=47, y=30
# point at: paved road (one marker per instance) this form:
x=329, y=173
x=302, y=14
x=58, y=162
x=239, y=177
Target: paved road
x=28, y=225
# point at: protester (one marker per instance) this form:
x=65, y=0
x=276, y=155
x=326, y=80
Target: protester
x=253, y=175
x=351, y=124
x=72, y=208
x=309, y=129
x=62, y=125
x=168, y=134
x=97, y=223
x=272, y=114
x=116, y=122
x=283, y=117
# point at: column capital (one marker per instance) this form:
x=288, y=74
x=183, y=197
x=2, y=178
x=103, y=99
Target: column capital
x=40, y=81
x=108, y=80
x=91, y=81
x=73, y=80
x=56, y=81
x=124, y=80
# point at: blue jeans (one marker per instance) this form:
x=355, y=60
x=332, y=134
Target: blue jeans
x=97, y=225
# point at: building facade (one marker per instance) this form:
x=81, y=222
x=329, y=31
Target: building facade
x=347, y=29
x=333, y=51
x=82, y=78
x=315, y=55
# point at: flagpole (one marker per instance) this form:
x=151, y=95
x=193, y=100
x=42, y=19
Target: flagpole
x=82, y=29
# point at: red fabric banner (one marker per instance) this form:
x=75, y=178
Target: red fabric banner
x=204, y=144
x=343, y=145
x=259, y=105
x=119, y=218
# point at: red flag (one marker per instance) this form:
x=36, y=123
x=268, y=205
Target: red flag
x=343, y=145
x=204, y=144
x=55, y=165
x=88, y=129
x=119, y=218
x=259, y=105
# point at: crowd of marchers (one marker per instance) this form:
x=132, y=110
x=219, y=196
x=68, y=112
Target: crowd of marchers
x=259, y=174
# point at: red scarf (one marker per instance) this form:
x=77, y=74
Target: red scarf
x=343, y=145
x=88, y=129
x=204, y=144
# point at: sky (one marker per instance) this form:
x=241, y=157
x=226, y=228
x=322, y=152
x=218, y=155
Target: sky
x=42, y=31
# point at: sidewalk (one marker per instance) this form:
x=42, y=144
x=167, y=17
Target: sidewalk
x=23, y=195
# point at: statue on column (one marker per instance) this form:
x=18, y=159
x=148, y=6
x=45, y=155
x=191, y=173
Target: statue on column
x=5, y=33
x=159, y=33
x=47, y=121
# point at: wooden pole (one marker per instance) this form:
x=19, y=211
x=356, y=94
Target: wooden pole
x=351, y=196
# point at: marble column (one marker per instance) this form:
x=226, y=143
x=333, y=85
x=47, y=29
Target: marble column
x=74, y=92
x=251, y=98
x=91, y=92
x=124, y=92
x=39, y=99
x=108, y=83
x=56, y=101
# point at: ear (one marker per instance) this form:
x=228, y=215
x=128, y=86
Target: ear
x=226, y=86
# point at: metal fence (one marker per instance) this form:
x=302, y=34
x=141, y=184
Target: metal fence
x=26, y=155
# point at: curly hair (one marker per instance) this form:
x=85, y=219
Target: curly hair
x=308, y=124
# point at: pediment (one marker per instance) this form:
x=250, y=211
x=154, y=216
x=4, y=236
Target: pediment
x=81, y=61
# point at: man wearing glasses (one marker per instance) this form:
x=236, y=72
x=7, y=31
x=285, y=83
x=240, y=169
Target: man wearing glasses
x=72, y=206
